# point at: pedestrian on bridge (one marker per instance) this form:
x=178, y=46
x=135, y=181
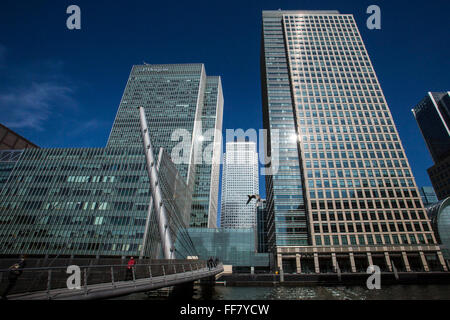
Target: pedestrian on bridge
x=130, y=266
x=210, y=263
x=14, y=272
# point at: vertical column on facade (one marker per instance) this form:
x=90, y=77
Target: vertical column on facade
x=298, y=263
x=316, y=262
x=442, y=261
x=352, y=262
x=369, y=258
x=333, y=260
x=388, y=261
x=280, y=261
x=424, y=261
x=406, y=262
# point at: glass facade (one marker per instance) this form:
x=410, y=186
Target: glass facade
x=206, y=189
x=347, y=181
x=428, y=196
x=261, y=226
x=440, y=178
x=235, y=247
x=433, y=117
x=440, y=219
x=85, y=202
x=95, y=201
x=239, y=179
x=284, y=192
x=8, y=160
x=182, y=104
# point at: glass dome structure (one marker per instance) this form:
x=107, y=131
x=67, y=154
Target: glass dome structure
x=439, y=214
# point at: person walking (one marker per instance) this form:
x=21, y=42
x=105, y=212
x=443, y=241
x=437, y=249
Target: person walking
x=216, y=261
x=209, y=263
x=130, y=266
x=14, y=272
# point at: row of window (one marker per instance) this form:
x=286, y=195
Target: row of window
x=364, y=215
x=371, y=227
x=369, y=239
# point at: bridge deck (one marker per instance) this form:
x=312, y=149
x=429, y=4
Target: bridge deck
x=119, y=288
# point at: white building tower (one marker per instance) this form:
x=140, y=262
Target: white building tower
x=239, y=179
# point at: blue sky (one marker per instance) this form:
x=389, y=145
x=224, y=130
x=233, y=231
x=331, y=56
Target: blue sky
x=61, y=88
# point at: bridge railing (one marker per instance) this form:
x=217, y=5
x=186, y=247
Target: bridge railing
x=50, y=278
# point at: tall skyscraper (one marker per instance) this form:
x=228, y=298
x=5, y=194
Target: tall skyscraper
x=433, y=117
x=239, y=179
x=181, y=104
x=95, y=201
x=344, y=195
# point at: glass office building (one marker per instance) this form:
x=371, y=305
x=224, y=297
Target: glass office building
x=239, y=180
x=433, y=117
x=95, y=201
x=88, y=202
x=234, y=247
x=344, y=193
x=184, y=109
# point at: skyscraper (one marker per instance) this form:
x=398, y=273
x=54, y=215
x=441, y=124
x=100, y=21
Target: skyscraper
x=433, y=117
x=95, y=201
x=239, y=179
x=184, y=109
x=344, y=195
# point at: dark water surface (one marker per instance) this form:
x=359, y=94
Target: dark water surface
x=393, y=292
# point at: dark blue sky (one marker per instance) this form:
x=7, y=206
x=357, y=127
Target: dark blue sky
x=61, y=88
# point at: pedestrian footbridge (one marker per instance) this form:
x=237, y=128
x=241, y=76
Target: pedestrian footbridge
x=100, y=281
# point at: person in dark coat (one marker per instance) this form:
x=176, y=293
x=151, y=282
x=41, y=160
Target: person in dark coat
x=14, y=272
x=210, y=263
x=216, y=261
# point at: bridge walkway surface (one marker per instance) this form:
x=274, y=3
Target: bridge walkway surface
x=102, y=281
